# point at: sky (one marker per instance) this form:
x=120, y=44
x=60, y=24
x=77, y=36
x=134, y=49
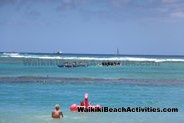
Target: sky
x=149, y=27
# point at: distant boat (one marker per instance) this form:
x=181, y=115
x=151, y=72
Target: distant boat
x=117, y=51
x=59, y=52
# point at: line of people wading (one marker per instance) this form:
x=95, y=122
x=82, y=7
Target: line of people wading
x=83, y=64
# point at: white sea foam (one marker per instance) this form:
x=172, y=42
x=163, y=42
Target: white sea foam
x=142, y=59
x=10, y=54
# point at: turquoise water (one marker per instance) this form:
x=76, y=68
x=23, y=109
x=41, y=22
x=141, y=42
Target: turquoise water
x=24, y=97
x=33, y=102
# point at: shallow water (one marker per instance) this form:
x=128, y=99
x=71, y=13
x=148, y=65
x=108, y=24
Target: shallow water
x=33, y=102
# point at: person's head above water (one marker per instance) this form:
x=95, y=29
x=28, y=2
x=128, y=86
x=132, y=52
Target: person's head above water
x=86, y=95
x=57, y=106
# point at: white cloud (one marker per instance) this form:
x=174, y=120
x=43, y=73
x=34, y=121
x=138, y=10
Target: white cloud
x=120, y=9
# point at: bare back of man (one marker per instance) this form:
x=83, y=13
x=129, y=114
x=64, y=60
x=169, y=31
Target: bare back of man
x=57, y=113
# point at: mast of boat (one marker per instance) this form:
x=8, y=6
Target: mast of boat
x=117, y=51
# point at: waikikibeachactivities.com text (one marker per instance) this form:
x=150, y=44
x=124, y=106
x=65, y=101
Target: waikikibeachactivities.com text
x=126, y=109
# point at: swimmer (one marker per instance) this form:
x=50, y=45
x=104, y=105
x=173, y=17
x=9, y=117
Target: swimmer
x=57, y=113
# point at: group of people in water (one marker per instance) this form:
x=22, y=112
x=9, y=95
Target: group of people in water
x=73, y=64
x=110, y=63
x=83, y=64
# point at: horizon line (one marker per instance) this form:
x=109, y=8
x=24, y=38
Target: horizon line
x=95, y=53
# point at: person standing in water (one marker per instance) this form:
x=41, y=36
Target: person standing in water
x=57, y=113
x=86, y=101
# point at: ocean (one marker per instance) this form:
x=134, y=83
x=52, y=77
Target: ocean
x=32, y=83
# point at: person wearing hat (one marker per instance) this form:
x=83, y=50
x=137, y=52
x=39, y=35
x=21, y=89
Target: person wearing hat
x=57, y=113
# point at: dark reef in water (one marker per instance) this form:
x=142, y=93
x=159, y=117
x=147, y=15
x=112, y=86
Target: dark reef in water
x=42, y=79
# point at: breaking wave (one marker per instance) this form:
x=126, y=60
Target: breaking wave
x=118, y=58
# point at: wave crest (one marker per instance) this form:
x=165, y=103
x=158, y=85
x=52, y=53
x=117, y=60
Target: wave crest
x=119, y=58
